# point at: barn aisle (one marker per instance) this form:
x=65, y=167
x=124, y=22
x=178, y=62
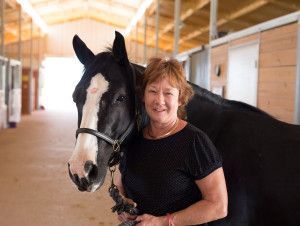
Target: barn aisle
x=35, y=187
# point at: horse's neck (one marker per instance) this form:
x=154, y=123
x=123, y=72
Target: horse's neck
x=205, y=114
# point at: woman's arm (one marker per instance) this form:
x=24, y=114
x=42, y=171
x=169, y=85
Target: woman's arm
x=123, y=217
x=118, y=182
x=213, y=206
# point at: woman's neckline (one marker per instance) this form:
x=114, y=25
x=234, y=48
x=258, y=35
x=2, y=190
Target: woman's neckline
x=171, y=135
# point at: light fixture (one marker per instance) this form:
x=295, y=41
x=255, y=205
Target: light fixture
x=27, y=7
x=138, y=16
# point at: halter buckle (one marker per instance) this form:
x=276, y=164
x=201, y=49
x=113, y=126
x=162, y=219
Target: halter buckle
x=116, y=146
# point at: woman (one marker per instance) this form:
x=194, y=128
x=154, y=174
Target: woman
x=172, y=171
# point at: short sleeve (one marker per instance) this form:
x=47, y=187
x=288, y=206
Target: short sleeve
x=203, y=157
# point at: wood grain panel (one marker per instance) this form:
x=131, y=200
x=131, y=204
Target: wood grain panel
x=244, y=40
x=277, y=74
x=219, y=56
x=279, y=32
x=280, y=43
x=286, y=57
x=277, y=39
x=277, y=89
x=272, y=102
x=279, y=113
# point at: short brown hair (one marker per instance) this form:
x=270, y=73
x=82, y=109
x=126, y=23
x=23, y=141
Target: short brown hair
x=159, y=68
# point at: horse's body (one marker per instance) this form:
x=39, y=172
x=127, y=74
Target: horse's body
x=260, y=160
x=260, y=154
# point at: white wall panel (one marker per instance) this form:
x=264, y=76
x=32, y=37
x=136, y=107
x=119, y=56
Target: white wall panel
x=242, y=73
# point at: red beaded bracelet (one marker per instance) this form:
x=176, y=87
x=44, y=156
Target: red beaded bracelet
x=170, y=219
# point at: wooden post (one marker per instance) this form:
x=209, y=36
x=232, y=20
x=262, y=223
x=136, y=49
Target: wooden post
x=297, y=91
x=176, y=26
x=30, y=101
x=136, y=42
x=213, y=31
x=213, y=34
x=130, y=43
x=145, y=38
x=157, y=27
x=2, y=26
x=20, y=33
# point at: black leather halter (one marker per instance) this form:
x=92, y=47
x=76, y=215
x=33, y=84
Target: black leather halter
x=116, y=144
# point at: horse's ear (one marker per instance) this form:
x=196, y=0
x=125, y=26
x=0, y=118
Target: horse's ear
x=119, y=49
x=83, y=53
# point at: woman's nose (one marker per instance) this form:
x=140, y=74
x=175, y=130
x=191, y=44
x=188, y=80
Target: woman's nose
x=160, y=98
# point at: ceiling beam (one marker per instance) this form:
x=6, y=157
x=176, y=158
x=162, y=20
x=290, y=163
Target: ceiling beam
x=282, y=4
x=27, y=7
x=139, y=13
x=12, y=15
x=188, y=10
x=11, y=3
x=99, y=16
x=152, y=8
x=238, y=13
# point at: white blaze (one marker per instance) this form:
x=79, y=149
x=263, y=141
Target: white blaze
x=86, y=147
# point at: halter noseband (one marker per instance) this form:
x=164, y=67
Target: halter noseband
x=116, y=144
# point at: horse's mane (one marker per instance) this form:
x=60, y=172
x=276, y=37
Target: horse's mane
x=216, y=99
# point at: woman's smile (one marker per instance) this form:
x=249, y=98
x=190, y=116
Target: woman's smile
x=161, y=101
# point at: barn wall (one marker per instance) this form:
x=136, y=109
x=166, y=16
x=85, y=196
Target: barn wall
x=135, y=52
x=97, y=37
x=277, y=69
x=58, y=42
x=219, y=58
x=38, y=50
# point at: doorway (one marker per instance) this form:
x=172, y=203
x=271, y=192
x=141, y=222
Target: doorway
x=59, y=76
x=243, y=73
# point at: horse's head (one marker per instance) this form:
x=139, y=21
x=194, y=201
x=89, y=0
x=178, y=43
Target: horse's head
x=105, y=102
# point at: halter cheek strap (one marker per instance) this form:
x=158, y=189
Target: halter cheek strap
x=116, y=144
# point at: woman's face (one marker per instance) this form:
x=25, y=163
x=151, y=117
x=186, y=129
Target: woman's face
x=161, y=101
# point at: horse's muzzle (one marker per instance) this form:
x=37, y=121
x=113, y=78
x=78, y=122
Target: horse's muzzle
x=85, y=183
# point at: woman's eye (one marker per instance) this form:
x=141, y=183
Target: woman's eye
x=152, y=91
x=121, y=98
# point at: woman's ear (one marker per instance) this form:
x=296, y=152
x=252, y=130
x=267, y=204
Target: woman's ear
x=180, y=101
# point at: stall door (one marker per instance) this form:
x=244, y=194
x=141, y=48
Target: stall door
x=243, y=73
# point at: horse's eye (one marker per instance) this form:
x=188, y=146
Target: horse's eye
x=121, y=99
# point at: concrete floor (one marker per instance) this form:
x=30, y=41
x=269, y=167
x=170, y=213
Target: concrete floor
x=35, y=189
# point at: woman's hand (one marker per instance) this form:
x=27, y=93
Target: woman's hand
x=123, y=217
x=150, y=220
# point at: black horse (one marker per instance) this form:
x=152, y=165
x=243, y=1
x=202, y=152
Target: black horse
x=261, y=155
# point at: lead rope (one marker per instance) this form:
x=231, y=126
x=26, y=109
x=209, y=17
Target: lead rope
x=121, y=204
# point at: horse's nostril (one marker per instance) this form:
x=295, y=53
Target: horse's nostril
x=91, y=170
x=88, y=166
